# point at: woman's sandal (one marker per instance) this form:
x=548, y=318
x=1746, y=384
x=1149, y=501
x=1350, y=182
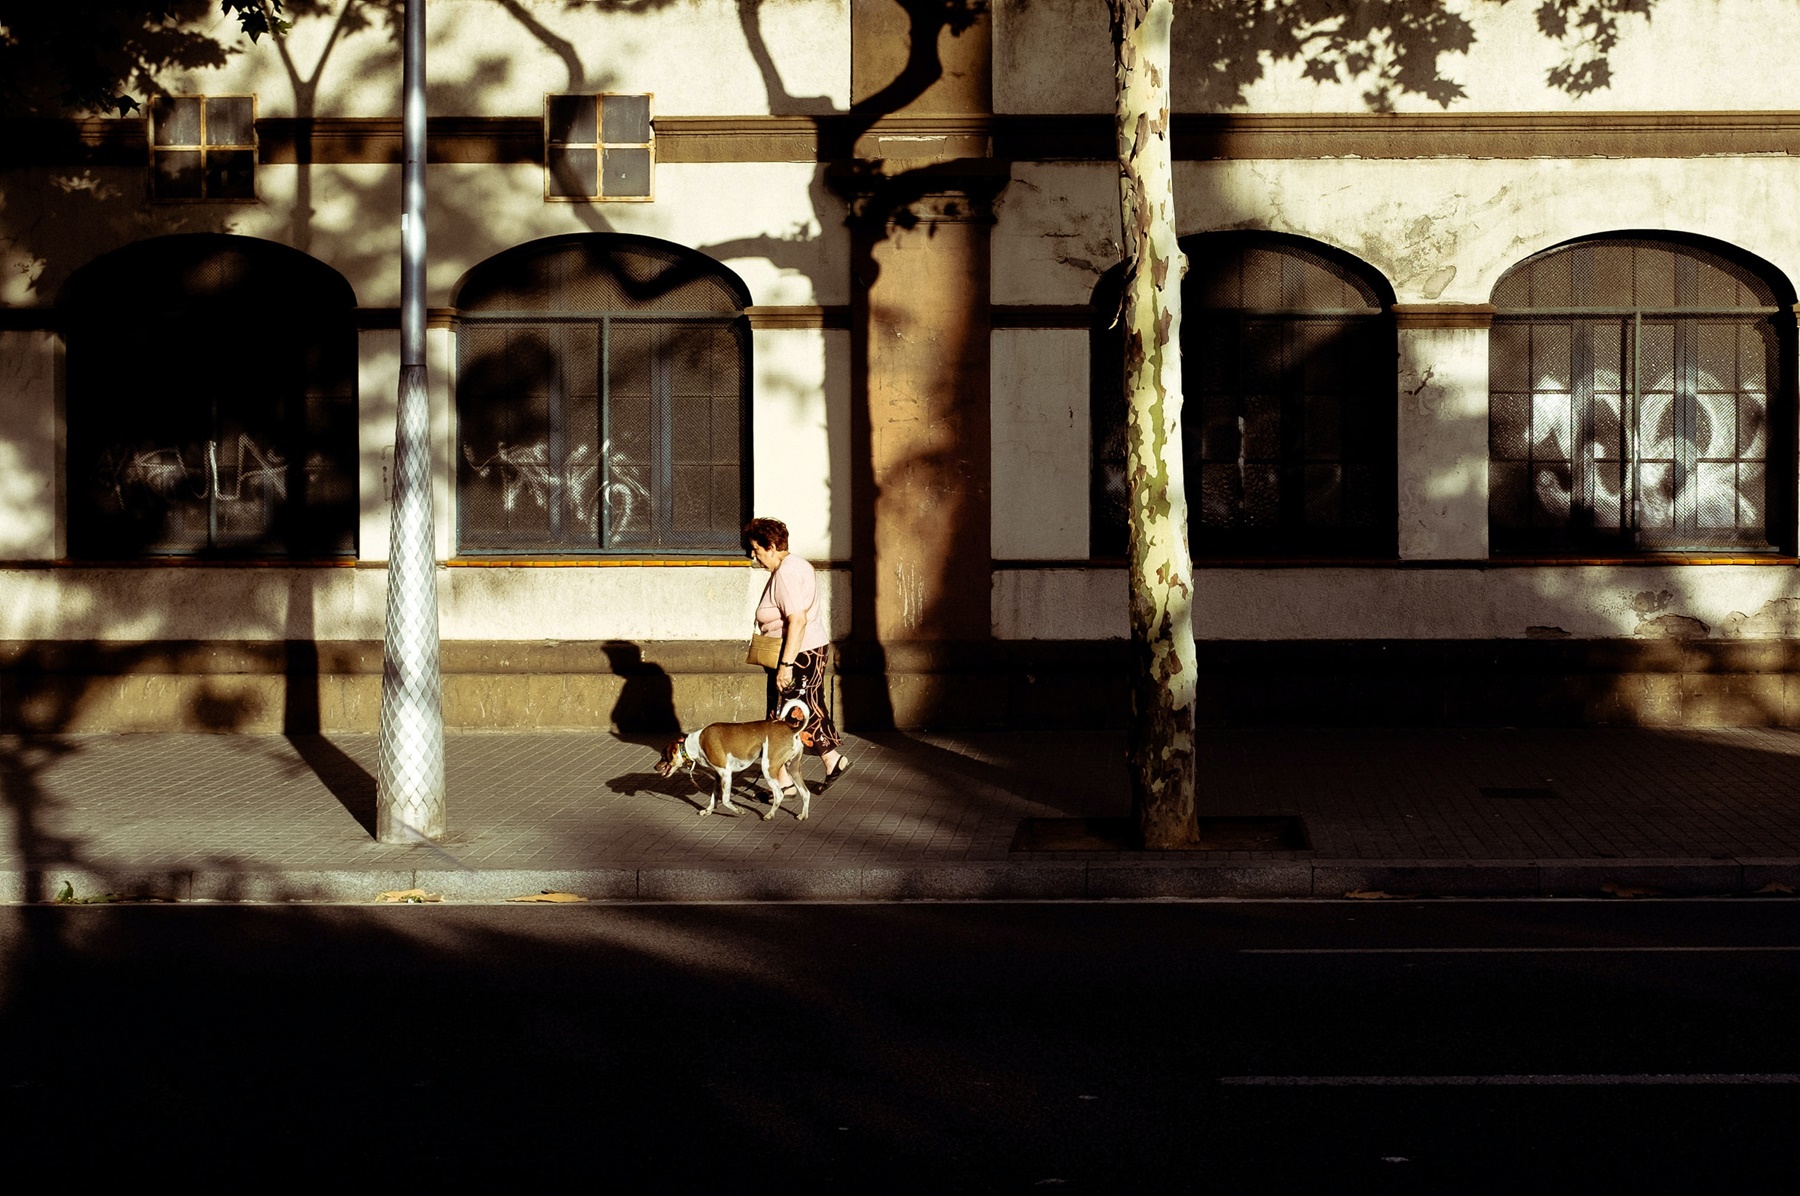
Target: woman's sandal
x=843, y=766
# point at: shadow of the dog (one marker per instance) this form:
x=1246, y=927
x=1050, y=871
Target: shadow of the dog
x=632, y=784
x=688, y=790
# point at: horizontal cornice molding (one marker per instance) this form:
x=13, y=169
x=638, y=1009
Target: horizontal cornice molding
x=797, y=316
x=1076, y=137
x=829, y=316
x=1443, y=315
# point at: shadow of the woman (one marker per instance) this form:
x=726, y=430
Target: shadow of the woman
x=646, y=700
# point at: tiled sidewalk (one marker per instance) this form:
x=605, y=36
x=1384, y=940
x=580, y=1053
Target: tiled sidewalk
x=919, y=815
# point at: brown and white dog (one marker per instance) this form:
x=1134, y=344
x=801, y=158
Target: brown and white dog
x=725, y=749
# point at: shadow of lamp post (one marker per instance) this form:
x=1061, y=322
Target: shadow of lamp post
x=410, y=783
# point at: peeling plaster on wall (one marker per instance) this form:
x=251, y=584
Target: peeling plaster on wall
x=1442, y=444
x=1056, y=231
x=1422, y=392
x=1671, y=627
x=1411, y=248
x=1414, y=219
x=1779, y=618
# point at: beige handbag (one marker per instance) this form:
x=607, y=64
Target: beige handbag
x=765, y=650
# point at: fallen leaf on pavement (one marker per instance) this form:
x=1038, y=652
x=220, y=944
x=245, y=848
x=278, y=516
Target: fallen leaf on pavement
x=1776, y=886
x=547, y=895
x=1376, y=895
x=1619, y=890
x=67, y=897
x=409, y=896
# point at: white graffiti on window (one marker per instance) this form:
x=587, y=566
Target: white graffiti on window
x=525, y=470
x=166, y=473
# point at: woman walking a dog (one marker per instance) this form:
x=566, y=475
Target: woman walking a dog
x=788, y=612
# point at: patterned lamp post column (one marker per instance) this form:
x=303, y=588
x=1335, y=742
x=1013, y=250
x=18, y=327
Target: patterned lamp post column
x=409, y=801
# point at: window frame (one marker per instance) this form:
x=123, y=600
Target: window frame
x=312, y=307
x=600, y=145
x=660, y=462
x=203, y=148
x=659, y=487
x=1289, y=537
x=1583, y=533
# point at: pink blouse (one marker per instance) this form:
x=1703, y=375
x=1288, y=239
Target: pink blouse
x=793, y=588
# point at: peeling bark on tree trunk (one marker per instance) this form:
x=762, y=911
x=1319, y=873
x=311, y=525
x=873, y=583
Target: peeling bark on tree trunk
x=1162, y=627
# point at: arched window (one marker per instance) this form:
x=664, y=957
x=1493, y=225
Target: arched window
x=1637, y=399
x=1289, y=374
x=211, y=402
x=602, y=400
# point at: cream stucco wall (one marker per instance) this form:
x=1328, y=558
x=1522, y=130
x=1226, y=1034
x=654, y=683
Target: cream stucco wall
x=1717, y=602
x=1509, y=602
x=1056, y=231
x=773, y=223
x=28, y=445
x=801, y=434
x=1060, y=604
x=1442, y=449
x=1439, y=230
x=1041, y=455
x=1445, y=230
x=378, y=398
x=492, y=59
x=501, y=603
x=1702, y=55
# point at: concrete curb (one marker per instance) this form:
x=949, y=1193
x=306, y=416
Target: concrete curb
x=1035, y=880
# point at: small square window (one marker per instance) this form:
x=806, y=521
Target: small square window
x=203, y=147
x=598, y=147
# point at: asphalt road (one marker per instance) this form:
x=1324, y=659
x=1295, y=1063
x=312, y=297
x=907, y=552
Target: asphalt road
x=1394, y=1046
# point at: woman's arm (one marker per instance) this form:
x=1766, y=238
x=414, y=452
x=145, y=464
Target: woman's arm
x=791, y=640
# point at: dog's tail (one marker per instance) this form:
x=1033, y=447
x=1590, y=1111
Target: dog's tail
x=795, y=713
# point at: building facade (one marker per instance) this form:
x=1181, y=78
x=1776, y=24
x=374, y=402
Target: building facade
x=1490, y=383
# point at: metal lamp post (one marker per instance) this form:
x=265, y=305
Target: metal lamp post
x=409, y=796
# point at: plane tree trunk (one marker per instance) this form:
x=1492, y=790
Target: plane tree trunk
x=1163, y=683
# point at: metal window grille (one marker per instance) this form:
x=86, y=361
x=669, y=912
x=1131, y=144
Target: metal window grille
x=1630, y=401
x=193, y=435
x=203, y=147
x=599, y=147
x=1288, y=365
x=601, y=398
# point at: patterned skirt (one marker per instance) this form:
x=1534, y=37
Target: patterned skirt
x=811, y=682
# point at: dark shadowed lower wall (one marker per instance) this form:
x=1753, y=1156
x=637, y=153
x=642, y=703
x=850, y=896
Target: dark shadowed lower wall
x=50, y=686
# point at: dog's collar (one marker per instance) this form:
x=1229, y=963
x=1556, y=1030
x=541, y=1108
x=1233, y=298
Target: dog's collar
x=691, y=746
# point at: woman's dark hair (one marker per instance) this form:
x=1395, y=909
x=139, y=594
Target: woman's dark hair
x=766, y=533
